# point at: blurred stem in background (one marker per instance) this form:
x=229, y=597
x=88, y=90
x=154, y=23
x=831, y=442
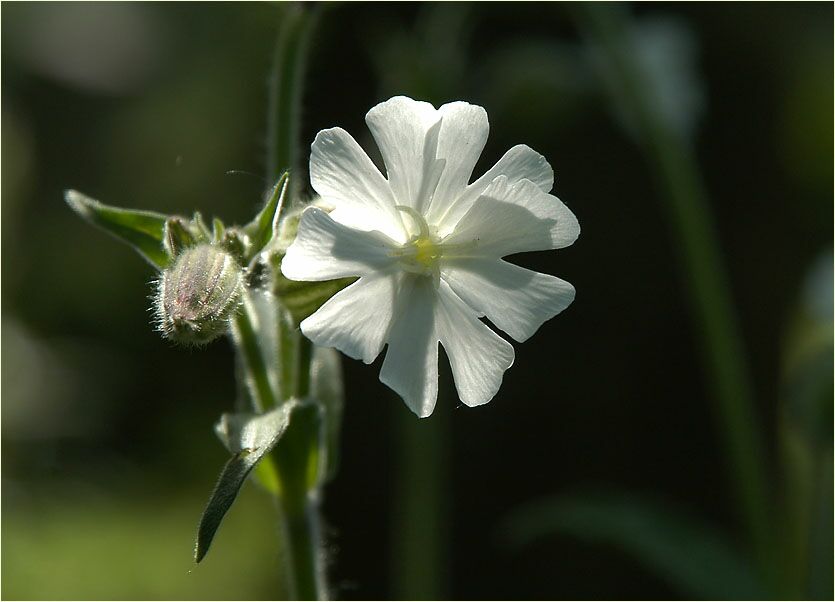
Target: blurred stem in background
x=677, y=175
x=805, y=429
x=286, y=84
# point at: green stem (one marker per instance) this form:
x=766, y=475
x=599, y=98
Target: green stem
x=302, y=533
x=305, y=356
x=289, y=365
x=297, y=505
x=300, y=511
x=255, y=367
x=707, y=281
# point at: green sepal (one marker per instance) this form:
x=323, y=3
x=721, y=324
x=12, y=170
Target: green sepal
x=199, y=227
x=264, y=227
x=302, y=299
x=218, y=228
x=234, y=242
x=248, y=437
x=143, y=230
x=177, y=237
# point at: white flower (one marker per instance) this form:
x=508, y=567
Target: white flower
x=427, y=247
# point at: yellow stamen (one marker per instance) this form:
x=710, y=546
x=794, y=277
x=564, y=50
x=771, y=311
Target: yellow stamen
x=420, y=255
x=427, y=252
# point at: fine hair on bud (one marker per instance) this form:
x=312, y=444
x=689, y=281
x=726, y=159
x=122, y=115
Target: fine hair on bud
x=198, y=294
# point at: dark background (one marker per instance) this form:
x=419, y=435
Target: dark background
x=108, y=453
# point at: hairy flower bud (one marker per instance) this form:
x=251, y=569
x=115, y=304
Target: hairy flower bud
x=198, y=294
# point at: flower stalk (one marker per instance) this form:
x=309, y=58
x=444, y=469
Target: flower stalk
x=296, y=502
x=297, y=499
x=254, y=363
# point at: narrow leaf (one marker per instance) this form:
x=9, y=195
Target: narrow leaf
x=679, y=548
x=231, y=479
x=143, y=230
x=249, y=437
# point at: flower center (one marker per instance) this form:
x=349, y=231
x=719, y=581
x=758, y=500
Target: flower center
x=426, y=251
x=421, y=253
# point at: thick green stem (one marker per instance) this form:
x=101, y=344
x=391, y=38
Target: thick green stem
x=297, y=501
x=707, y=282
x=297, y=508
x=302, y=532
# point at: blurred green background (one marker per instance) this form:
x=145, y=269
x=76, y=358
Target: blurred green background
x=598, y=471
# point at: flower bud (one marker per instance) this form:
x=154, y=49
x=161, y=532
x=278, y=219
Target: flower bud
x=198, y=294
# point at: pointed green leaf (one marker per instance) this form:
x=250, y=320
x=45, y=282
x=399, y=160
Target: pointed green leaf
x=265, y=225
x=226, y=489
x=249, y=437
x=143, y=230
x=327, y=388
x=679, y=548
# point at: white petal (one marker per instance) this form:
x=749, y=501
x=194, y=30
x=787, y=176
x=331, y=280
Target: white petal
x=463, y=133
x=411, y=364
x=346, y=178
x=519, y=163
x=356, y=320
x=478, y=355
x=403, y=129
x=513, y=218
x=324, y=249
x=516, y=300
